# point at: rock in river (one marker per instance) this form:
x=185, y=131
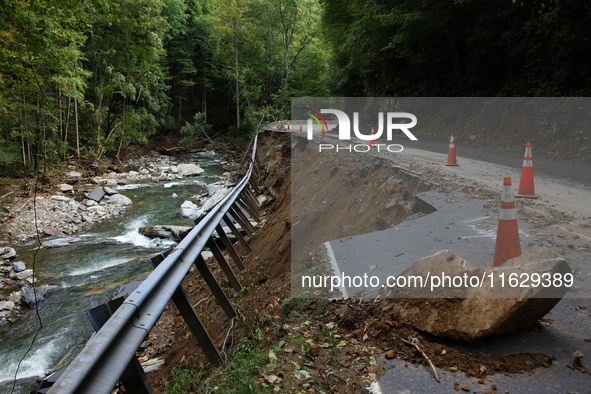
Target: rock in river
x=120, y=199
x=189, y=169
x=18, y=266
x=7, y=253
x=190, y=210
x=171, y=232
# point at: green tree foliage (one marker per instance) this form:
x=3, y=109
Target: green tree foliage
x=124, y=51
x=461, y=47
x=191, y=132
x=40, y=62
x=86, y=78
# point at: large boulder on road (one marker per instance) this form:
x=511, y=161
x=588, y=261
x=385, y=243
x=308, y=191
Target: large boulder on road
x=473, y=312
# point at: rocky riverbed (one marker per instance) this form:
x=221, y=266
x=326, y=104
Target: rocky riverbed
x=57, y=219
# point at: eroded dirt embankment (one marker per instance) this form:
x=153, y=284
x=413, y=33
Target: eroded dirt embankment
x=332, y=196
x=342, y=194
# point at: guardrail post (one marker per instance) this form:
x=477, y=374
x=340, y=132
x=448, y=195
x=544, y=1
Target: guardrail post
x=184, y=306
x=253, y=195
x=241, y=203
x=257, y=162
x=213, y=285
x=229, y=247
x=237, y=233
x=237, y=214
x=215, y=288
x=253, y=200
x=247, y=205
x=224, y=264
x=194, y=323
x=253, y=182
x=134, y=378
x=247, y=194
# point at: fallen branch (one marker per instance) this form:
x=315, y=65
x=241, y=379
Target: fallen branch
x=22, y=206
x=424, y=355
x=7, y=194
x=235, y=155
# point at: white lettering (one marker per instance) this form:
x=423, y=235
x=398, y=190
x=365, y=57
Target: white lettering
x=402, y=126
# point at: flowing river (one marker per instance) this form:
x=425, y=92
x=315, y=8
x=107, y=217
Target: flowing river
x=88, y=273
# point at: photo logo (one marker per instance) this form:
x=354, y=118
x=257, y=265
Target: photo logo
x=345, y=124
x=315, y=115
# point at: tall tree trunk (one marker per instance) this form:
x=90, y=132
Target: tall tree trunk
x=204, y=101
x=237, y=86
x=122, y=131
x=23, y=148
x=59, y=106
x=24, y=120
x=76, y=123
x=100, y=153
x=44, y=150
x=205, y=105
x=22, y=131
x=98, y=127
x=66, y=128
x=180, y=121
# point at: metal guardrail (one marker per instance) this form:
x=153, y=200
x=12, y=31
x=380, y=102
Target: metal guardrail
x=111, y=352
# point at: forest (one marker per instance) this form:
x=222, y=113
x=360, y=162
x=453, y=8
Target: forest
x=82, y=80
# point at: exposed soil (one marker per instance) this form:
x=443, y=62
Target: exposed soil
x=358, y=195
x=336, y=344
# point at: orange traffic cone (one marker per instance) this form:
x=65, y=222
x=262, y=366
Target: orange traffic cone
x=526, y=183
x=300, y=126
x=507, y=245
x=372, y=142
x=321, y=130
x=288, y=127
x=451, y=156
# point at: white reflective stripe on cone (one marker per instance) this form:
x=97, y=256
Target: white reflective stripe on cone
x=507, y=195
x=507, y=214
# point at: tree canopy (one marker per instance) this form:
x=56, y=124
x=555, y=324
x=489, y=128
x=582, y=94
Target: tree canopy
x=458, y=47
x=83, y=79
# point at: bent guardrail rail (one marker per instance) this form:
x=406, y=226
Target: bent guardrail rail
x=100, y=365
